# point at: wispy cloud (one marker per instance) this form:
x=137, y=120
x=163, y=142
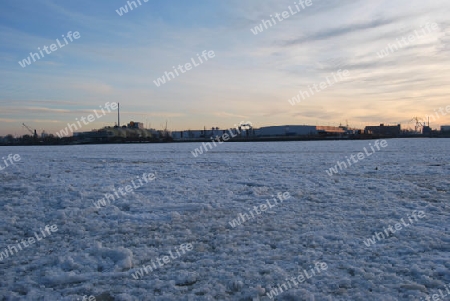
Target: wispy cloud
x=116, y=59
x=341, y=31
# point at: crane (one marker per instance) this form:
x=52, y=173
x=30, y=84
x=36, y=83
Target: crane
x=247, y=127
x=418, y=123
x=34, y=134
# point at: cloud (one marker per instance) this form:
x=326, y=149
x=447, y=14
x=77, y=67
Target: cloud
x=339, y=31
x=33, y=110
x=95, y=88
x=153, y=114
x=46, y=121
x=117, y=59
x=226, y=114
x=9, y=120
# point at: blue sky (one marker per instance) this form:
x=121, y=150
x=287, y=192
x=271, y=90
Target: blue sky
x=251, y=78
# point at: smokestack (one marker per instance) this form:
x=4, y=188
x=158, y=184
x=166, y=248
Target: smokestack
x=118, y=114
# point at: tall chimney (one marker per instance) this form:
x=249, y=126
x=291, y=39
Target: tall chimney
x=118, y=114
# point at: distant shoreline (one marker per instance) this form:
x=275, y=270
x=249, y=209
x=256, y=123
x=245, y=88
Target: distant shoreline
x=67, y=141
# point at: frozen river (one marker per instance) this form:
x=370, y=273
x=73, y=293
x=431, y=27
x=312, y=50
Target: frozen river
x=243, y=221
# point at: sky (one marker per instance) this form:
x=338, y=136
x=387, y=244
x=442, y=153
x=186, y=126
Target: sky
x=251, y=77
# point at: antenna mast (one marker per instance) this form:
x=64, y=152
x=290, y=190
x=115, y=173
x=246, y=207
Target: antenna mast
x=118, y=115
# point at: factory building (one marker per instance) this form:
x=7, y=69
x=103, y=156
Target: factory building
x=263, y=132
x=206, y=134
x=286, y=130
x=445, y=128
x=133, y=130
x=426, y=130
x=321, y=129
x=298, y=130
x=135, y=125
x=383, y=130
x=189, y=134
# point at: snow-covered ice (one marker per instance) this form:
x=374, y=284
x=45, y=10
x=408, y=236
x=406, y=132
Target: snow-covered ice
x=192, y=200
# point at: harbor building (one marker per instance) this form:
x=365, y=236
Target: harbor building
x=383, y=130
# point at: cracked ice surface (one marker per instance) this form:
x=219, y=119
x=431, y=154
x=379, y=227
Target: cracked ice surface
x=192, y=200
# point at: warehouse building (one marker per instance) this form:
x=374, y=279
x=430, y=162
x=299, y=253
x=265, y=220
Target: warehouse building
x=207, y=134
x=383, y=130
x=321, y=129
x=286, y=130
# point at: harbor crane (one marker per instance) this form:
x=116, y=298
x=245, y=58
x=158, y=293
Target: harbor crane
x=34, y=134
x=419, y=124
x=246, y=126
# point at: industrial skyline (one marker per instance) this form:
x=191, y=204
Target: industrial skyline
x=82, y=55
